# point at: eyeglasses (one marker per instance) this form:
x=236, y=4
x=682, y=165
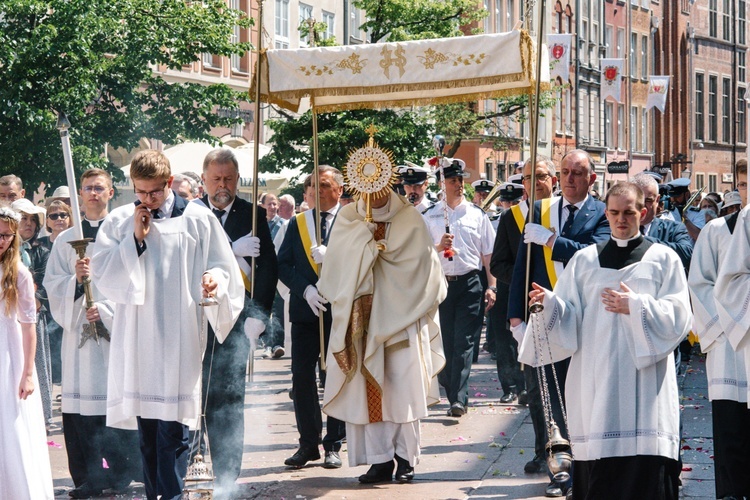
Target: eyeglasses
x=93, y=189
x=159, y=193
x=59, y=215
x=539, y=177
x=7, y=237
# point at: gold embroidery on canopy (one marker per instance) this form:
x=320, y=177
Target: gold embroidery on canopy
x=354, y=63
x=388, y=60
x=431, y=58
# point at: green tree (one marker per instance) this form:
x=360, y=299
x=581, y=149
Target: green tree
x=405, y=133
x=101, y=63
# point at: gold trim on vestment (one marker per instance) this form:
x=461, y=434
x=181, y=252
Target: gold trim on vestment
x=374, y=393
x=358, y=321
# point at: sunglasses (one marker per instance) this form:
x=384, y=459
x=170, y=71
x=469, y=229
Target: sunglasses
x=59, y=215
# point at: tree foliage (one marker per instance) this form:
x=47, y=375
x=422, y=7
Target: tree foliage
x=100, y=62
x=405, y=133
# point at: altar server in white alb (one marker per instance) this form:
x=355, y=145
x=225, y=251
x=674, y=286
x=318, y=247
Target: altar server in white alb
x=385, y=349
x=618, y=310
x=725, y=367
x=155, y=261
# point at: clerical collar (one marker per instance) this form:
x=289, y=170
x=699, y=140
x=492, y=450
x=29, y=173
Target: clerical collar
x=93, y=223
x=625, y=243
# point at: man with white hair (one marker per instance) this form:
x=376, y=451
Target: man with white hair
x=286, y=206
x=185, y=187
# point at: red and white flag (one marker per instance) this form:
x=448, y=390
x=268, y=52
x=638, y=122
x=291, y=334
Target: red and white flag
x=611, y=81
x=658, y=86
x=559, y=56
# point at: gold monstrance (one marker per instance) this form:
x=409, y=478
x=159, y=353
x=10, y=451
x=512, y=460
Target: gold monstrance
x=369, y=172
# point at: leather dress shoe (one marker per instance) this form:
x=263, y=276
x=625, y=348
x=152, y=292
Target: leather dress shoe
x=302, y=456
x=457, y=410
x=332, y=460
x=523, y=397
x=85, y=491
x=378, y=473
x=509, y=397
x=535, y=465
x=553, y=490
x=404, y=471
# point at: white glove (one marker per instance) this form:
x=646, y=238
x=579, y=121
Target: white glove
x=318, y=253
x=315, y=300
x=253, y=328
x=247, y=246
x=534, y=233
x=518, y=332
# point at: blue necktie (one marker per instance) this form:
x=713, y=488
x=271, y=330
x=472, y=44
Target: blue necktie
x=569, y=221
x=323, y=225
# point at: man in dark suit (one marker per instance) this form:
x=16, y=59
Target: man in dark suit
x=225, y=364
x=670, y=233
x=561, y=227
x=299, y=257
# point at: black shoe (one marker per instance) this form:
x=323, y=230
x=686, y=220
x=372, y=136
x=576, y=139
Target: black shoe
x=553, y=490
x=509, y=396
x=523, y=397
x=404, y=471
x=85, y=491
x=332, y=460
x=277, y=352
x=536, y=465
x=302, y=456
x=378, y=473
x=457, y=410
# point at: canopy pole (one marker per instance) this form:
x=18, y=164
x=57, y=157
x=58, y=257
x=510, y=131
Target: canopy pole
x=256, y=140
x=534, y=115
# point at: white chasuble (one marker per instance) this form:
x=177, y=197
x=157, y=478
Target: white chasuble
x=621, y=389
x=84, y=369
x=725, y=367
x=157, y=339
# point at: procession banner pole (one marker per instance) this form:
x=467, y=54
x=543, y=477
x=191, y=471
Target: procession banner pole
x=316, y=174
x=534, y=101
x=256, y=140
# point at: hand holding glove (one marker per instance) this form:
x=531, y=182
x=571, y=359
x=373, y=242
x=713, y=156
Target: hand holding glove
x=247, y=246
x=315, y=300
x=535, y=233
x=318, y=253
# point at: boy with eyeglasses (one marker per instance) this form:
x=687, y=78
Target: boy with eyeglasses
x=85, y=361
x=156, y=260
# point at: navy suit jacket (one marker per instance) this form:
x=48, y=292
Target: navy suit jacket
x=296, y=273
x=239, y=222
x=675, y=236
x=589, y=227
x=505, y=249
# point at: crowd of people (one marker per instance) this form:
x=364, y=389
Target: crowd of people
x=149, y=316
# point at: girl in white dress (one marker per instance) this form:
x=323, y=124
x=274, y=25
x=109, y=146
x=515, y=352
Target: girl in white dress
x=24, y=459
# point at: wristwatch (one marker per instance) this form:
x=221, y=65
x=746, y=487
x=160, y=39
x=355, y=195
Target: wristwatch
x=493, y=288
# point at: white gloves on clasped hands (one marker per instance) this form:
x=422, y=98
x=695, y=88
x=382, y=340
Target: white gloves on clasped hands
x=247, y=246
x=519, y=332
x=315, y=300
x=253, y=328
x=535, y=233
x=318, y=253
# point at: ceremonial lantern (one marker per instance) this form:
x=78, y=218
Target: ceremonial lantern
x=559, y=451
x=369, y=172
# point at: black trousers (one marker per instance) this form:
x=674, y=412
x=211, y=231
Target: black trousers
x=165, y=453
x=88, y=440
x=506, y=348
x=626, y=478
x=224, y=370
x=536, y=410
x=731, y=422
x=460, y=316
x=305, y=353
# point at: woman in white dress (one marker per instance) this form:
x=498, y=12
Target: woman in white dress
x=24, y=459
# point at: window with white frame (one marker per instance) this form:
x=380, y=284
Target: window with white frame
x=568, y=111
x=609, y=41
x=595, y=118
x=583, y=52
x=726, y=128
x=644, y=57
x=305, y=13
x=583, y=116
x=330, y=20
x=713, y=13
x=645, y=139
x=486, y=21
x=500, y=17
x=620, y=43
x=633, y=128
x=699, y=107
x=208, y=60
x=559, y=126
x=281, y=24
x=609, y=125
x=235, y=59
x=713, y=98
x=633, y=62
x=510, y=14
x=542, y=133
x=621, y=126
x=741, y=65
x=741, y=21
x=726, y=23
x=594, y=44
x=712, y=178
x=741, y=107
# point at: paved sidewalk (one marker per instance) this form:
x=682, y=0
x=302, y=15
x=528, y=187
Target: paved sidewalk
x=480, y=455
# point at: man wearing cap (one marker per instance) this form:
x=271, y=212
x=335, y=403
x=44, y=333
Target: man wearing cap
x=509, y=233
x=414, y=180
x=482, y=188
x=679, y=194
x=463, y=250
x=562, y=226
x=726, y=368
